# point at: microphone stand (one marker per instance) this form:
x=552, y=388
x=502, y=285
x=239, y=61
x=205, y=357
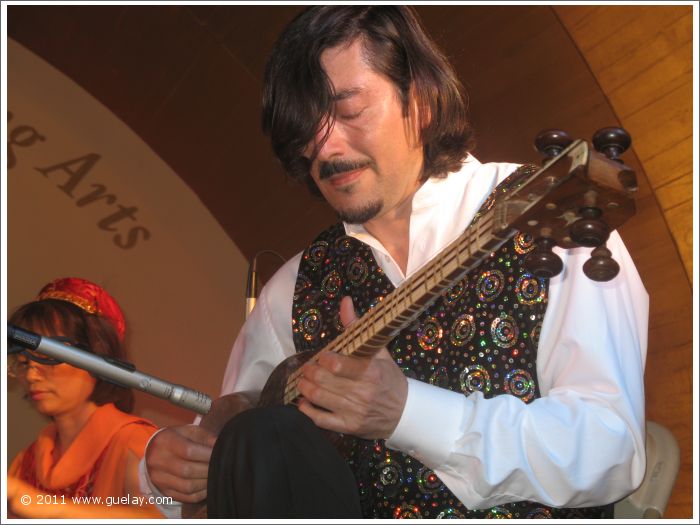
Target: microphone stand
x=113, y=370
x=251, y=289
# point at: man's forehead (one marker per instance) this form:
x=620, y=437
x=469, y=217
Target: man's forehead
x=346, y=66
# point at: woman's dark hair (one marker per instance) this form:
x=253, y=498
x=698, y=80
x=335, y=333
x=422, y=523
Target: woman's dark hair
x=88, y=331
x=298, y=96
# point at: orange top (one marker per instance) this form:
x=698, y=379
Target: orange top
x=95, y=463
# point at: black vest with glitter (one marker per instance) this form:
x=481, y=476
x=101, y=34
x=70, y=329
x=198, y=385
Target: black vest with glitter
x=481, y=334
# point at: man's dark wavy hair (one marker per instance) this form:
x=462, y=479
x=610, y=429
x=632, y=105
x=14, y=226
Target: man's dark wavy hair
x=298, y=96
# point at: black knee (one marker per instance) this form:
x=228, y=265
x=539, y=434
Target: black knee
x=263, y=424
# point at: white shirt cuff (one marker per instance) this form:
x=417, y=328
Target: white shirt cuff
x=421, y=432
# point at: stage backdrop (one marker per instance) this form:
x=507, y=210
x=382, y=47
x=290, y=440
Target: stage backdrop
x=88, y=198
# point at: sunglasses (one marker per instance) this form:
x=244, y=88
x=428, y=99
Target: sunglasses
x=21, y=358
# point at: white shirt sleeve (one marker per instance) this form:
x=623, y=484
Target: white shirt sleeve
x=582, y=442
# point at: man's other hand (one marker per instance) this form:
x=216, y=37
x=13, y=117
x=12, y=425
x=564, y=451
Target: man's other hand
x=177, y=460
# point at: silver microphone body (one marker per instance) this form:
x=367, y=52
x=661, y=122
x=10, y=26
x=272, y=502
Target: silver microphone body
x=117, y=373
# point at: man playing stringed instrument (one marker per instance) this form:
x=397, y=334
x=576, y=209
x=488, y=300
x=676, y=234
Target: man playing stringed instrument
x=509, y=395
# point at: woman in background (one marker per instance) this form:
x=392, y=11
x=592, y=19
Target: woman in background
x=92, y=446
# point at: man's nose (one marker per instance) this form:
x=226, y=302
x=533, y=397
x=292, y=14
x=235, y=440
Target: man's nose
x=332, y=142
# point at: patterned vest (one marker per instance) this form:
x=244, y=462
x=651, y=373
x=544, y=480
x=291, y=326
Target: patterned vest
x=481, y=334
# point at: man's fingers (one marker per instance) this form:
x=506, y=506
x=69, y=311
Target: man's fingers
x=180, y=489
x=384, y=354
x=349, y=367
x=177, y=460
x=347, y=311
x=323, y=418
x=189, y=498
x=197, y=434
x=185, y=469
x=334, y=395
x=332, y=367
x=189, y=442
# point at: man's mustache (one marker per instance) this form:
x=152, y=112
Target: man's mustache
x=329, y=168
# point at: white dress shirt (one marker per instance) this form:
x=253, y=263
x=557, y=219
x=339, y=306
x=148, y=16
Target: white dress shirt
x=580, y=444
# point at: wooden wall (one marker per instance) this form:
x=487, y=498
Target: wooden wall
x=642, y=58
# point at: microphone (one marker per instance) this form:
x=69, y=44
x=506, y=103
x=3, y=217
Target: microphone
x=251, y=292
x=251, y=289
x=110, y=369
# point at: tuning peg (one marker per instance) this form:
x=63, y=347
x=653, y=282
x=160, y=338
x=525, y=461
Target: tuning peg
x=601, y=266
x=551, y=142
x=589, y=230
x=542, y=261
x=612, y=142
